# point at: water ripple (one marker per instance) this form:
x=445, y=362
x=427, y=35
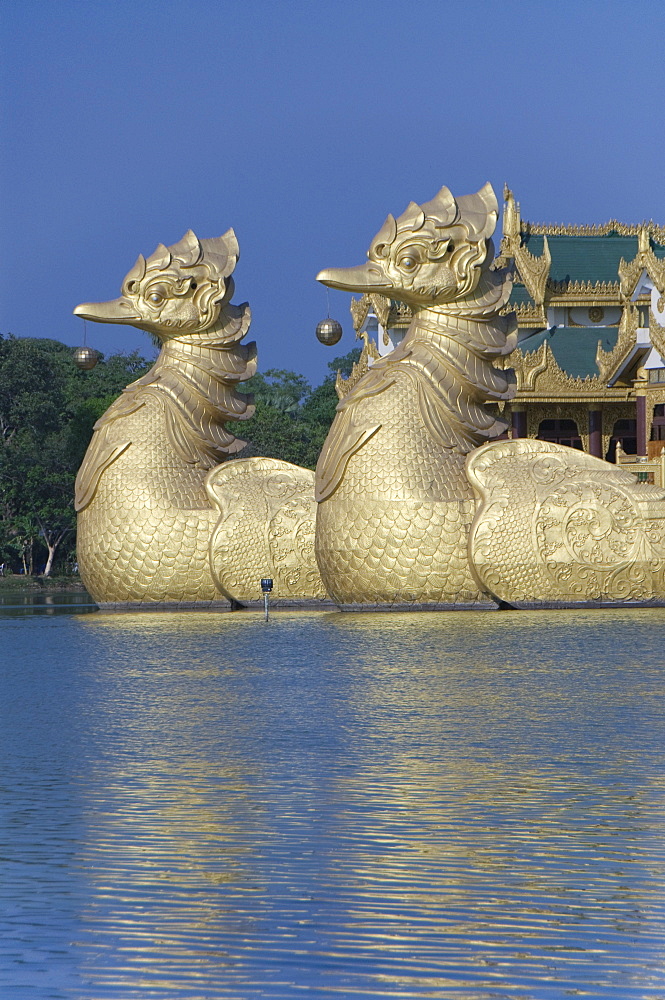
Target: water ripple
x=462, y=806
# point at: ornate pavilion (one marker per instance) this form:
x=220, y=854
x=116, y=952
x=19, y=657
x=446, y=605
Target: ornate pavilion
x=590, y=361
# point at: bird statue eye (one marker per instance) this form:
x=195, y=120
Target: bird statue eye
x=408, y=262
x=155, y=298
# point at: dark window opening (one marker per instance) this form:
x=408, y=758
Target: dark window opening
x=658, y=425
x=560, y=432
x=625, y=431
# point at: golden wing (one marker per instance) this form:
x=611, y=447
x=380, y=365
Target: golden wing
x=558, y=527
x=265, y=529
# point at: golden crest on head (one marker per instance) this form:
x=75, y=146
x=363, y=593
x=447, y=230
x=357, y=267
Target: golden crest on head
x=431, y=254
x=219, y=255
x=478, y=212
x=187, y=251
x=442, y=207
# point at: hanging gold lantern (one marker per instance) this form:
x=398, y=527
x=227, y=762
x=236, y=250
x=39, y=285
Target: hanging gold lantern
x=85, y=358
x=329, y=332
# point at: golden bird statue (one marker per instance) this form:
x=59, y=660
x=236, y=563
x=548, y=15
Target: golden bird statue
x=163, y=517
x=418, y=505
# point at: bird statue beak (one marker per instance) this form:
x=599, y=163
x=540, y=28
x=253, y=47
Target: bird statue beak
x=366, y=278
x=116, y=311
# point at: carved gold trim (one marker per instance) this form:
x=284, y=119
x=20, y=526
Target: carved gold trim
x=609, y=362
x=400, y=315
x=593, y=289
x=657, y=335
x=527, y=367
x=656, y=232
x=612, y=410
x=644, y=260
x=619, y=411
x=534, y=271
x=527, y=314
x=389, y=313
x=359, y=309
x=655, y=397
x=538, y=371
x=370, y=352
x=381, y=306
x=579, y=412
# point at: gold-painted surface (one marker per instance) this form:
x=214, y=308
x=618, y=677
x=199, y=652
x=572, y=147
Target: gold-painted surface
x=390, y=313
x=267, y=522
x=556, y=526
x=657, y=335
x=538, y=372
x=645, y=260
x=145, y=520
x=656, y=232
x=534, y=271
x=611, y=362
x=581, y=292
x=369, y=355
x=395, y=505
x=651, y=469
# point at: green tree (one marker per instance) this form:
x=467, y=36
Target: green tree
x=47, y=411
x=291, y=419
x=281, y=389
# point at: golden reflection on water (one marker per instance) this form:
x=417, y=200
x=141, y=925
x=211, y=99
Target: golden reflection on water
x=469, y=805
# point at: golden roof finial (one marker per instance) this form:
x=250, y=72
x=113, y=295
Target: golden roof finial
x=511, y=215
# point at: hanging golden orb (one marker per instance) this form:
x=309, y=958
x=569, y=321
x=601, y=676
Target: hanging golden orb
x=85, y=358
x=329, y=332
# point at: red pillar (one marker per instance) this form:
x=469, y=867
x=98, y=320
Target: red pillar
x=519, y=423
x=641, y=408
x=596, y=433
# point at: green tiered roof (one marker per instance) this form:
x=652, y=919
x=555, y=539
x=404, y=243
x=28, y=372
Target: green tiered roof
x=587, y=258
x=574, y=347
x=519, y=296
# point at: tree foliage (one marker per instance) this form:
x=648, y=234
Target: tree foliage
x=48, y=409
x=291, y=419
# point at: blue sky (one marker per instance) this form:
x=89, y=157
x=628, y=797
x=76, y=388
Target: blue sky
x=302, y=124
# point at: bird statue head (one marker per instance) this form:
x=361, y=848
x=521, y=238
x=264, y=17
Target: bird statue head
x=178, y=289
x=430, y=255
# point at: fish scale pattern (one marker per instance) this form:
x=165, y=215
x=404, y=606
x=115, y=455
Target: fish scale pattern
x=397, y=552
x=153, y=528
x=144, y=536
x=402, y=461
x=394, y=531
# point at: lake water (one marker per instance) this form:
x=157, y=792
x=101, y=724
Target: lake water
x=454, y=805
